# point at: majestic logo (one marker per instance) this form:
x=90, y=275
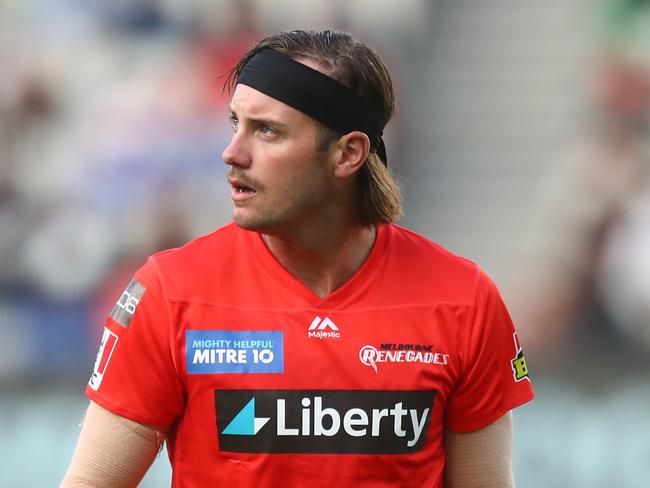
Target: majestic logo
x=519, y=368
x=319, y=329
x=234, y=351
x=106, y=348
x=323, y=421
x=125, y=306
x=401, y=353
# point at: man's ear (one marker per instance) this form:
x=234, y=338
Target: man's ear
x=353, y=149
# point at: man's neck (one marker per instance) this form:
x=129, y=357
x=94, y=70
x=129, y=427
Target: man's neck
x=325, y=260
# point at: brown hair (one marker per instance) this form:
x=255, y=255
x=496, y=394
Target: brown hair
x=357, y=66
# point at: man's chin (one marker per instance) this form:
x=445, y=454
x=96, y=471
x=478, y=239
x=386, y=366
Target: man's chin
x=248, y=223
x=261, y=226
x=244, y=224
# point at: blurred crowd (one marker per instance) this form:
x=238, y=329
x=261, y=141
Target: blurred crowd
x=589, y=273
x=111, y=125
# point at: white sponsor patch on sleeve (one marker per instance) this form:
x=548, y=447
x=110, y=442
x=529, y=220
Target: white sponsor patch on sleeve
x=106, y=348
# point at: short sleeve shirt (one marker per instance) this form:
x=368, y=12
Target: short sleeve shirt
x=261, y=383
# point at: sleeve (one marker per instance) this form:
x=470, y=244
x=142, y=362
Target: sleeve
x=494, y=377
x=134, y=374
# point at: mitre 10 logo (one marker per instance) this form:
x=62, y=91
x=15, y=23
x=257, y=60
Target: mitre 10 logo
x=323, y=421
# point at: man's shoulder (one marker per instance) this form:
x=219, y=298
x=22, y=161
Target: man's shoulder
x=430, y=270
x=195, y=265
x=411, y=245
x=208, y=246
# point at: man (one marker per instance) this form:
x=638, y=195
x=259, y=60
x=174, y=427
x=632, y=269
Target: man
x=311, y=342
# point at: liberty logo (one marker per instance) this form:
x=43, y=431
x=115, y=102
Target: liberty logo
x=318, y=329
x=245, y=422
x=323, y=421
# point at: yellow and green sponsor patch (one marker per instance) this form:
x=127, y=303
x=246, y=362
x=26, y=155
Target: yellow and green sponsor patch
x=519, y=367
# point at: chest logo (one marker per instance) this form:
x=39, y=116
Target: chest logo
x=323, y=329
x=323, y=421
x=401, y=353
x=234, y=351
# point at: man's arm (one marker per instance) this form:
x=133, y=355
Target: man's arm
x=112, y=451
x=481, y=459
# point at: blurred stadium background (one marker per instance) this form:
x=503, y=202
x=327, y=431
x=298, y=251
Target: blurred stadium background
x=521, y=139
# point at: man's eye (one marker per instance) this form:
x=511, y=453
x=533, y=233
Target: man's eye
x=267, y=130
x=234, y=122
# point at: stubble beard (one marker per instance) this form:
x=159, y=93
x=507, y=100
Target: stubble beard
x=296, y=204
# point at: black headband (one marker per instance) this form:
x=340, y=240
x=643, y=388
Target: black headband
x=315, y=94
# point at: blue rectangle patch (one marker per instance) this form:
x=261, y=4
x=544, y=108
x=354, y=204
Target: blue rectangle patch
x=234, y=351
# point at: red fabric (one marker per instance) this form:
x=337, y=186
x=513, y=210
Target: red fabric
x=408, y=292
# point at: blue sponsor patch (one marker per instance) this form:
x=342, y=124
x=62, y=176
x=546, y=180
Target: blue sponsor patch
x=230, y=351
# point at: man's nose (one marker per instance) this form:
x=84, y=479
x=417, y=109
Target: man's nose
x=237, y=152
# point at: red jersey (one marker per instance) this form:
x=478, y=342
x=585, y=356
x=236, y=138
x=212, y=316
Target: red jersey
x=261, y=383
